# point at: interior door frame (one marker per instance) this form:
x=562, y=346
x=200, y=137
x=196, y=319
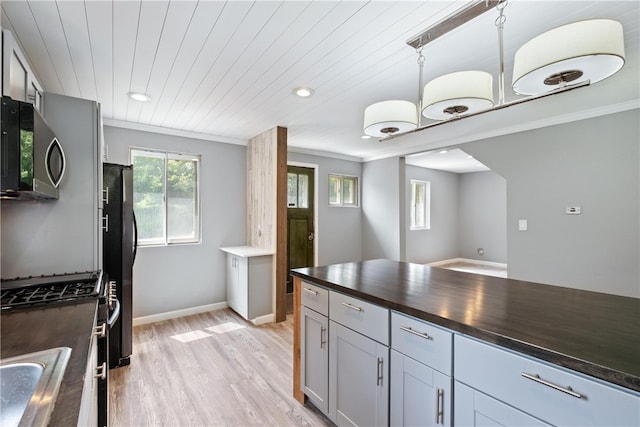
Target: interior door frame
x=315, y=168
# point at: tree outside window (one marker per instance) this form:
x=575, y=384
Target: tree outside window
x=343, y=190
x=166, y=197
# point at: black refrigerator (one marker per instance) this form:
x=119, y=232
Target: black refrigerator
x=119, y=244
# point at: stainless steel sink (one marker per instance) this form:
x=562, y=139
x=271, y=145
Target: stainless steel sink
x=29, y=385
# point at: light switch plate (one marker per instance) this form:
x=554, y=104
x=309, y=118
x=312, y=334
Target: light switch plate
x=522, y=225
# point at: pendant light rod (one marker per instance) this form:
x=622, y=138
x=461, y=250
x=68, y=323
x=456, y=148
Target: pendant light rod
x=500, y=20
x=494, y=108
x=420, y=83
x=452, y=22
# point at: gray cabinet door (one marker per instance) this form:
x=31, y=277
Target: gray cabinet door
x=358, y=379
x=314, y=356
x=473, y=408
x=420, y=395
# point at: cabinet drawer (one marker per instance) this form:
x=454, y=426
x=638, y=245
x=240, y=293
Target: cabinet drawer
x=315, y=297
x=363, y=317
x=501, y=373
x=422, y=341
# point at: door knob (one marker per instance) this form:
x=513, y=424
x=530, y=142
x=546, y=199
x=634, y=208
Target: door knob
x=310, y=237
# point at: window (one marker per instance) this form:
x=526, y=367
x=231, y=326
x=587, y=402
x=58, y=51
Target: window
x=420, y=205
x=297, y=190
x=166, y=197
x=343, y=190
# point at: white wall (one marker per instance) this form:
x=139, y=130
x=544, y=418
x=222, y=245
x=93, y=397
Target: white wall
x=168, y=278
x=339, y=229
x=591, y=163
x=381, y=209
x=441, y=240
x=482, y=216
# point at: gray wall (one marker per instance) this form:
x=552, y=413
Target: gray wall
x=59, y=236
x=482, y=216
x=440, y=242
x=381, y=209
x=168, y=278
x=339, y=229
x=591, y=163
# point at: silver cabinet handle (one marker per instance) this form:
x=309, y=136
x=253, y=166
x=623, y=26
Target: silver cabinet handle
x=567, y=390
x=105, y=223
x=380, y=374
x=100, y=331
x=352, y=307
x=101, y=371
x=420, y=334
x=439, y=406
x=323, y=340
x=311, y=291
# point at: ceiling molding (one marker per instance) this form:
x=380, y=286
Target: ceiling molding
x=328, y=154
x=173, y=132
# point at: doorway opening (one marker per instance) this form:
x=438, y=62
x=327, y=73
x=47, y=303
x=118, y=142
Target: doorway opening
x=301, y=232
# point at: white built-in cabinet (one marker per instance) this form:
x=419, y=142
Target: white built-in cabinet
x=18, y=81
x=249, y=282
x=314, y=352
x=492, y=381
x=388, y=368
x=421, y=384
x=358, y=362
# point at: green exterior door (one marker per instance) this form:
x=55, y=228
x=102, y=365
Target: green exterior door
x=300, y=225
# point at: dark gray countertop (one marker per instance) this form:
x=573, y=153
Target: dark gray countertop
x=36, y=329
x=589, y=332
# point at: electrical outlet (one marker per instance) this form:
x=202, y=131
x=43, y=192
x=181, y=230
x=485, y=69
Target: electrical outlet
x=573, y=210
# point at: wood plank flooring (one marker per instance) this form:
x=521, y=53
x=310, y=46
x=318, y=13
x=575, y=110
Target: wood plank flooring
x=236, y=375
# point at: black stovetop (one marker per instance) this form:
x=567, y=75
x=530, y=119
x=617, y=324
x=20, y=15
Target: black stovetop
x=25, y=292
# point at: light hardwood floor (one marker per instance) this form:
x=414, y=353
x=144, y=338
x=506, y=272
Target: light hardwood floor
x=238, y=375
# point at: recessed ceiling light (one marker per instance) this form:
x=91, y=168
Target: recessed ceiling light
x=444, y=151
x=137, y=96
x=365, y=137
x=469, y=156
x=303, y=92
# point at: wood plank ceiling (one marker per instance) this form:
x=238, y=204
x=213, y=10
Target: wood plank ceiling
x=226, y=70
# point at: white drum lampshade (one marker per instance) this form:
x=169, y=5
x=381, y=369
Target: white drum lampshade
x=457, y=93
x=586, y=50
x=387, y=118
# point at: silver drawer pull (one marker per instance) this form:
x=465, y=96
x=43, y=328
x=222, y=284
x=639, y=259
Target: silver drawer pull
x=380, y=371
x=100, y=331
x=101, y=371
x=537, y=379
x=323, y=340
x=439, y=406
x=420, y=334
x=352, y=307
x=311, y=291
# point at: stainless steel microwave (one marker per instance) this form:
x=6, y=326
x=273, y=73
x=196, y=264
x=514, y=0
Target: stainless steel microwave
x=32, y=160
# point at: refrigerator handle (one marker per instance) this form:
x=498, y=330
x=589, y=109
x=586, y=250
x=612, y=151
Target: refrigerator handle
x=135, y=239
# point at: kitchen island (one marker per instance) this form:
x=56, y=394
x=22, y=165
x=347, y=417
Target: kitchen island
x=593, y=334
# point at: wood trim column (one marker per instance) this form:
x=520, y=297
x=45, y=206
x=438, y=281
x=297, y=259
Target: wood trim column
x=298, y=394
x=281, y=226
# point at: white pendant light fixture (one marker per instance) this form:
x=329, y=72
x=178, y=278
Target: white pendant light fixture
x=462, y=92
x=386, y=118
x=581, y=51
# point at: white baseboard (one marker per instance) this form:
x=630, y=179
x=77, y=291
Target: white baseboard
x=469, y=261
x=178, y=313
x=261, y=320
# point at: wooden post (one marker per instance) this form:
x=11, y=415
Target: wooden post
x=298, y=394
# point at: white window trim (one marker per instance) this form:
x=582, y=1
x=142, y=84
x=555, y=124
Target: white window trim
x=427, y=205
x=172, y=155
x=342, y=204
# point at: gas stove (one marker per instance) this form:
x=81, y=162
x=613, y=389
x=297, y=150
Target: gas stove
x=36, y=291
